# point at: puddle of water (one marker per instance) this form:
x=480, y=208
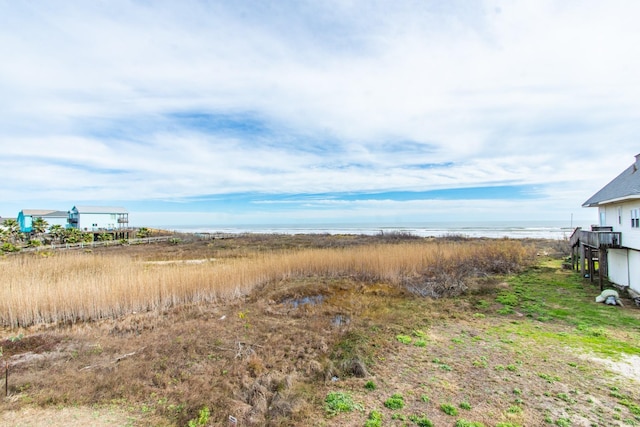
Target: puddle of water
x=341, y=320
x=311, y=300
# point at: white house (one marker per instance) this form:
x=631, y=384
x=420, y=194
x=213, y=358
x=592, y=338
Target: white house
x=97, y=218
x=617, y=237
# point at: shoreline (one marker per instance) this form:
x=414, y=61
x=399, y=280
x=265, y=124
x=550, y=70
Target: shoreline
x=483, y=231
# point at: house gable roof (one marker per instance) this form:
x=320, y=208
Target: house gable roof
x=56, y=214
x=45, y=213
x=37, y=212
x=624, y=186
x=100, y=209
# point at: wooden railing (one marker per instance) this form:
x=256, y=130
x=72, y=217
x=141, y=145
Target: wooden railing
x=596, y=239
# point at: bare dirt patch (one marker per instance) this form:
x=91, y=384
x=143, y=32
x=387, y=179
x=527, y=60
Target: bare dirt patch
x=627, y=366
x=71, y=417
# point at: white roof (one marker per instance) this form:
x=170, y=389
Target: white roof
x=100, y=209
x=28, y=212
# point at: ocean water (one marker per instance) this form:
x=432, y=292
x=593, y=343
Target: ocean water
x=513, y=230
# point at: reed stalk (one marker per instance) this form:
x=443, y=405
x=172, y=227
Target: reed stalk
x=72, y=287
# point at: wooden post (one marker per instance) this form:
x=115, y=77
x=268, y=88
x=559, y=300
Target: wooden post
x=602, y=267
x=592, y=265
x=583, y=250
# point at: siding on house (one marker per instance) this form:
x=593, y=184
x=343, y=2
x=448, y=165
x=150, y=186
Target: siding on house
x=618, y=216
x=618, y=266
x=52, y=217
x=96, y=218
x=618, y=205
x=634, y=270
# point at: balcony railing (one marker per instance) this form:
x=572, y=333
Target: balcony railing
x=597, y=239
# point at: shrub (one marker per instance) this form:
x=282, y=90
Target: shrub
x=9, y=247
x=370, y=385
x=143, y=232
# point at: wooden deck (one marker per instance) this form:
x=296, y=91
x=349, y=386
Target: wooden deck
x=589, y=251
x=596, y=239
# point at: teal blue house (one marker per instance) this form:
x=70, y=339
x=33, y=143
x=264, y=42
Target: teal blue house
x=52, y=217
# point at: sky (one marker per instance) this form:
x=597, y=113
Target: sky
x=304, y=112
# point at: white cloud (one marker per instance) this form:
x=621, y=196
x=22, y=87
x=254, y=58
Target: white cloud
x=540, y=93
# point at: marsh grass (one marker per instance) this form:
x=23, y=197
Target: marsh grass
x=269, y=363
x=72, y=287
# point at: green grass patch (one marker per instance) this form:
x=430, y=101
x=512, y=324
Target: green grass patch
x=549, y=378
x=514, y=409
x=634, y=408
x=550, y=294
x=449, y=409
x=374, y=420
x=418, y=333
x=202, y=419
x=421, y=421
x=354, y=345
x=481, y=362
x=507, y=298
x=465, y=423
x=442, y=365
x=404, y=339
x=396, y=401
x=566, y=398
x=337, y=401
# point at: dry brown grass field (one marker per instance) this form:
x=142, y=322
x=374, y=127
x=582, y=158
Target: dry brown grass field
x=265, y=328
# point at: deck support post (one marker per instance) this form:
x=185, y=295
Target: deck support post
x=602, y=267
x=592, y=273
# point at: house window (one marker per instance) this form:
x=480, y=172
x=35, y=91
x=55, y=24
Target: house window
x=620, y=216
x=635, y=218
x=603, y=217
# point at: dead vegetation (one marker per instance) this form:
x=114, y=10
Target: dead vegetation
x=270, y=355
x=69, y=287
